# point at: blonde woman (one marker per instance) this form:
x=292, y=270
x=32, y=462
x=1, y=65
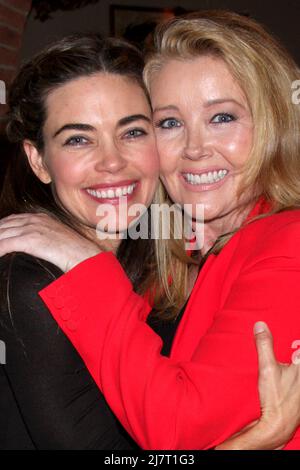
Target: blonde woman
x=227, y=135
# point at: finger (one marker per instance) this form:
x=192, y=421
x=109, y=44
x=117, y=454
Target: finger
x=15, y=231
x=15, y=239
x=36, y=216
x=12, y=220
x=11, y=232
x=296, y=358
x=12, y=244
x=23, y=220
x=14, y=223
x=264, y=346
x=17, y=216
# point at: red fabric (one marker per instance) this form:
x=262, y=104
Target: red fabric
x=207, y=389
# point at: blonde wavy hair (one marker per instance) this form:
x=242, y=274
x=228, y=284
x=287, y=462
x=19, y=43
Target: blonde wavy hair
x=265, y=72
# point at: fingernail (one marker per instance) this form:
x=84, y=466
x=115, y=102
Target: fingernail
x=259, y=327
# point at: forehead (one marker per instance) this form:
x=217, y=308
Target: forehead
x=205, y=78
x=102, y=94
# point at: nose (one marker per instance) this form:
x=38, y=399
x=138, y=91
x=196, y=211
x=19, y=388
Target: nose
x=110, y=159
x=197, y=144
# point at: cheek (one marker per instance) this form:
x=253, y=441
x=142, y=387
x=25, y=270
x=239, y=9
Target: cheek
x=147, y=162
x=237, y=146
x=169, y=157
x=66, y=172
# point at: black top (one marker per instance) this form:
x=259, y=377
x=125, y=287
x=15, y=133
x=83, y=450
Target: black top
x=48, y=400
x=166, y=329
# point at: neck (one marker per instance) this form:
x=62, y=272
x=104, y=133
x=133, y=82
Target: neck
x=213, y=229
x=107, y=243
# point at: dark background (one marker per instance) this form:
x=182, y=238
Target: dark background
x=281, y=16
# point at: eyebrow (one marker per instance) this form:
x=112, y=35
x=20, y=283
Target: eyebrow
x=206, y=104
x=87, y=127
x=221, y=101
x=74, y=126
x=134, y=117
x=170, y=107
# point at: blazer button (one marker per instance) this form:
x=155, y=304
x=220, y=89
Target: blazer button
x=71, y=302
x=65, y=313
x=62, y=293
x=58, y=302
x=73, y=324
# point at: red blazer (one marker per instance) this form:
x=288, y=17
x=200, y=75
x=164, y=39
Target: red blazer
x=207, y=389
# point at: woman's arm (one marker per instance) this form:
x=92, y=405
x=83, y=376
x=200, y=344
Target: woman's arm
x=279, y=392
x=60, y=404
x=124, y=314
x=170, y=403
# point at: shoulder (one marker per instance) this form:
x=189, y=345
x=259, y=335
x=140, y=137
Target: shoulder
x=27, y=269
x=21, y=278
x=277, y=221
x=274, y=235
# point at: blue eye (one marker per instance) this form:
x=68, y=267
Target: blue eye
x=222, y=118
x=134, y=133
x=169, y=123
x=76, y=141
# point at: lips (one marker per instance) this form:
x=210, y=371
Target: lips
x=112, y=185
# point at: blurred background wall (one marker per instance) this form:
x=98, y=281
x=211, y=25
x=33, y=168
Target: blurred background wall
x=281, y=16
x=27, y=26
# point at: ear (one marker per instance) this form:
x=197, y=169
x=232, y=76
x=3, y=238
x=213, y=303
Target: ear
x=35, y=160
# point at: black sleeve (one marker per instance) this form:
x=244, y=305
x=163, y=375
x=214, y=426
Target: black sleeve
x=60, y=404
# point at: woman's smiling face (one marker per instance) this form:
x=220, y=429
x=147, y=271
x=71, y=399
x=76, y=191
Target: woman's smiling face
x=204, y=133
x=99, y=147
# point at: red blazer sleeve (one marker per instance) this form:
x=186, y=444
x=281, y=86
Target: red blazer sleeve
x=167, y=403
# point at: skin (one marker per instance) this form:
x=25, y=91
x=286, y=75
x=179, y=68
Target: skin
x=98, y=135
x=104, y=154
x=203, y=123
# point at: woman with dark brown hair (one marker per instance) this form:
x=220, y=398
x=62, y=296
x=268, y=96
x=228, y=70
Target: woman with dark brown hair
x=81, y=114
x=81, y=118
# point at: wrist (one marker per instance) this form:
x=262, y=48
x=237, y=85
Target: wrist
x=79, y=258
x=260, y=436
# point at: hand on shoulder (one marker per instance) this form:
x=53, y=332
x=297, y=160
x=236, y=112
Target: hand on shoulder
x=45, y=237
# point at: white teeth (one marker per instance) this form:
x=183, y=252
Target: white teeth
x=112, y=193
x=210, y=177
x=205, y=178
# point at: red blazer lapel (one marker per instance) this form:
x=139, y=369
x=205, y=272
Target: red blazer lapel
x=198, y=314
